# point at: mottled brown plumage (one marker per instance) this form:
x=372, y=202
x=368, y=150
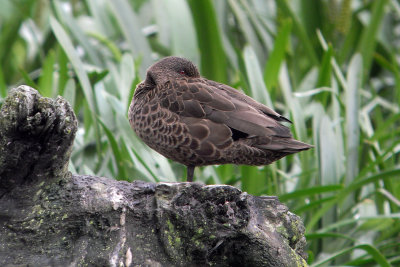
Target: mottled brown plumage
x=198, y=122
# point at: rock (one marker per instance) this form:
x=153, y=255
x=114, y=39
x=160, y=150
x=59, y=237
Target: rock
x=49, y=217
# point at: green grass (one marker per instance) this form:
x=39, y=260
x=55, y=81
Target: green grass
x=332, y=67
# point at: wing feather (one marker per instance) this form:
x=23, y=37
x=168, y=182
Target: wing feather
x=220, y=104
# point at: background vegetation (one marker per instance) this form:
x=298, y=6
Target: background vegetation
x=330, y=66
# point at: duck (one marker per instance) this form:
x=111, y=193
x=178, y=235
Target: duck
x=197, y=122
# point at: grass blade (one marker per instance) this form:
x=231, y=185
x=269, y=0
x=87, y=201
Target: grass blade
x=254, y=74
x=342, y=195
x=378, y=257
x=354, y=77
x=77, y=32
x=277, y=56
x=247, y=29
x=46, y=77
x=299, y=29
x=213, y=60
x=368, y=39
x=119, y=160
x=130, y=26
x=309, y=192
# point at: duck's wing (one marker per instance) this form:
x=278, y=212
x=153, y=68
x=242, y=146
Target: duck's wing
x=235, y=94
x=210, y=110
x=201, y=98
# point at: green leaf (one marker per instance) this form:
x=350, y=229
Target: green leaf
x=354, y=79
x=367, y=43
x=27, y=79
x=369, y=221
x=46, y=77
x=327, y=235
x=249, y=33
x=70, y=92
x=329, y=158
x=252, y=179
x=299, y=29
x=131, y=28
x=324, y=77
x=309, y=192
x=77, y=64
x=213, y=60
x=313, y=205
x=3, y=87
x=372, y=251
x=119, y=160
x=77, y=32
x=342, y=195
x=63, y=76
x=128, y=74
x=277, y=56
x=258, y=90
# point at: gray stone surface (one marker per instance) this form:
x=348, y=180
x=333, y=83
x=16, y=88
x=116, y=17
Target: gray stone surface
x=49, y=217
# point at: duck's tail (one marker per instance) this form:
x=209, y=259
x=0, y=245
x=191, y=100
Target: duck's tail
x=285, y=144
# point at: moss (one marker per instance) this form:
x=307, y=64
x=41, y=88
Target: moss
x=198, y=244
x=301, y=262
x=282, y=230
x=37, y=210
x=269, y=226
x=175, y=249
x=173, y=238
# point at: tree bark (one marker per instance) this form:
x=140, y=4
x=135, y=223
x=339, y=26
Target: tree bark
x=49, y=217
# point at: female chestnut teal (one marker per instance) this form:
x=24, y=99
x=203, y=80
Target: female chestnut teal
x=198, y=122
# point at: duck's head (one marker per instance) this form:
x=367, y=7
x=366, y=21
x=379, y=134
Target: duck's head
x=170, y=68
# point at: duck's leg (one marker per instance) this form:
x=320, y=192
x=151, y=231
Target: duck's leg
x=189, y=173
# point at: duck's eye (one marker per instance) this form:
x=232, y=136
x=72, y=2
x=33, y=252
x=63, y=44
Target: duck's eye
x=182, y=72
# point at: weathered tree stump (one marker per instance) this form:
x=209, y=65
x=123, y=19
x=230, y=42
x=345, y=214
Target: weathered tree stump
x=49, y=217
